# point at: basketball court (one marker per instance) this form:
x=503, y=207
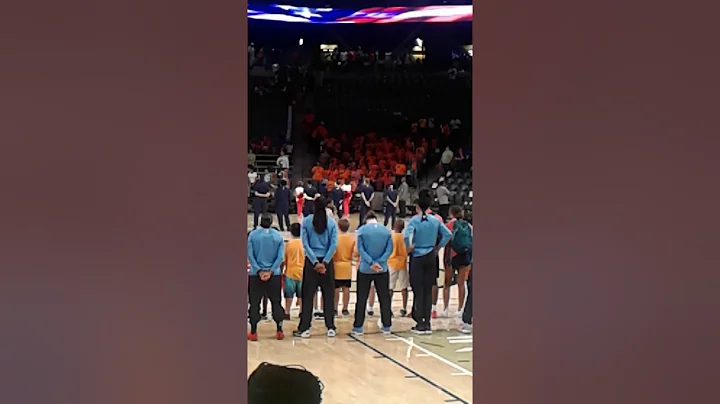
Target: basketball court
x=375, y=368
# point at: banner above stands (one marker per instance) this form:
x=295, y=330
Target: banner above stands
x=374, y=15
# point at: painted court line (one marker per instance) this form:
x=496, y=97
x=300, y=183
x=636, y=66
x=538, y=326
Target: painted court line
x=435, y=356
x=421, y=377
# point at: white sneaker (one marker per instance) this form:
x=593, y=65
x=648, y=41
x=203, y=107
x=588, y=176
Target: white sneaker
x=445, y=313
x=384, y=330
x=302, y=334
x=331, y=333
x=465, y=328
x=459, y=313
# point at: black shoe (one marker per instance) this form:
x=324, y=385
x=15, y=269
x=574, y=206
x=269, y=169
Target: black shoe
x=403, y=313
x=345, y=313
x=417, y=330
x=371, y=313
x=336, y=313
x=319, y=314
x=264, y=316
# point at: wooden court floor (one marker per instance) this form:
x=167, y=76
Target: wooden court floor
x=376, y=368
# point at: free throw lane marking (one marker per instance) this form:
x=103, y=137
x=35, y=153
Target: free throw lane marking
x=435, y=356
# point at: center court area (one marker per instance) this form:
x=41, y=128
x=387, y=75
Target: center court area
x=376, y=368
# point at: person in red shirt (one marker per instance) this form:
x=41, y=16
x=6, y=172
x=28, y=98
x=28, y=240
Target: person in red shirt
x=347, y=195
x=300, y=199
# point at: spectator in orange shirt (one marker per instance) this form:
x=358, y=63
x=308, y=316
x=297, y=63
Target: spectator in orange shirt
x=317, y=174
x=400, y=171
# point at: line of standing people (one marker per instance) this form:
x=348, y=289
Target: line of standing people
x=424, y=237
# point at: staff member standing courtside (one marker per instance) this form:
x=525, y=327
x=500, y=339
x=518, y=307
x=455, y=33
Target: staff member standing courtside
x=262, y=193
x=311, y=193
x=266, y=251
x=391, y=204
x=282, y=205
x=425, y=235
x=319, y=236
x=374, y=245
x=367, y=193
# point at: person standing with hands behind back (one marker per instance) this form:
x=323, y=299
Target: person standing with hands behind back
x=319, y=236
x=374, y=245
x=262, y=193
x=391, y=204
x=282, y=205
x=425, y=235
x=265, y=253
x=367, y=193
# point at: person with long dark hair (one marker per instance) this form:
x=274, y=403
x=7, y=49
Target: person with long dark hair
x=424, y=236
x=265, y=252
x=425, y=193
x=319, y=236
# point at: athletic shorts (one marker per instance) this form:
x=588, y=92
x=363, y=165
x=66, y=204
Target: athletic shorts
x=399, y=280
x=342, y=283
x=293, y=288
x=460, y=261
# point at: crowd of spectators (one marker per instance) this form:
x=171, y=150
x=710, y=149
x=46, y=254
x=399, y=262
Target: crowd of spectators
x=358, y=60
x=386, y=159
x=398, y=122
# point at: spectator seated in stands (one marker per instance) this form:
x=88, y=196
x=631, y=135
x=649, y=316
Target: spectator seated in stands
x=383, y=160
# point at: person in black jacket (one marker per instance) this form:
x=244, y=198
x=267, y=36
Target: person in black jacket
x=282, y=205
x=261, y=192
x=337, y=197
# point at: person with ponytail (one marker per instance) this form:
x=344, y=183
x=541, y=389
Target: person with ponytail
x=425, y=193
x=319, y=236
x=424, y=236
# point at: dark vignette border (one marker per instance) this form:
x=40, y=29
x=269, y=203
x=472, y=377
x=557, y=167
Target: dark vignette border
x=122, y=221
x=595, y=144
x=123, y=153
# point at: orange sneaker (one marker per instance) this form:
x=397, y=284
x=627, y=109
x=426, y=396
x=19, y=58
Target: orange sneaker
x=433, y=314
x=279, y=335
x=252, y=336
